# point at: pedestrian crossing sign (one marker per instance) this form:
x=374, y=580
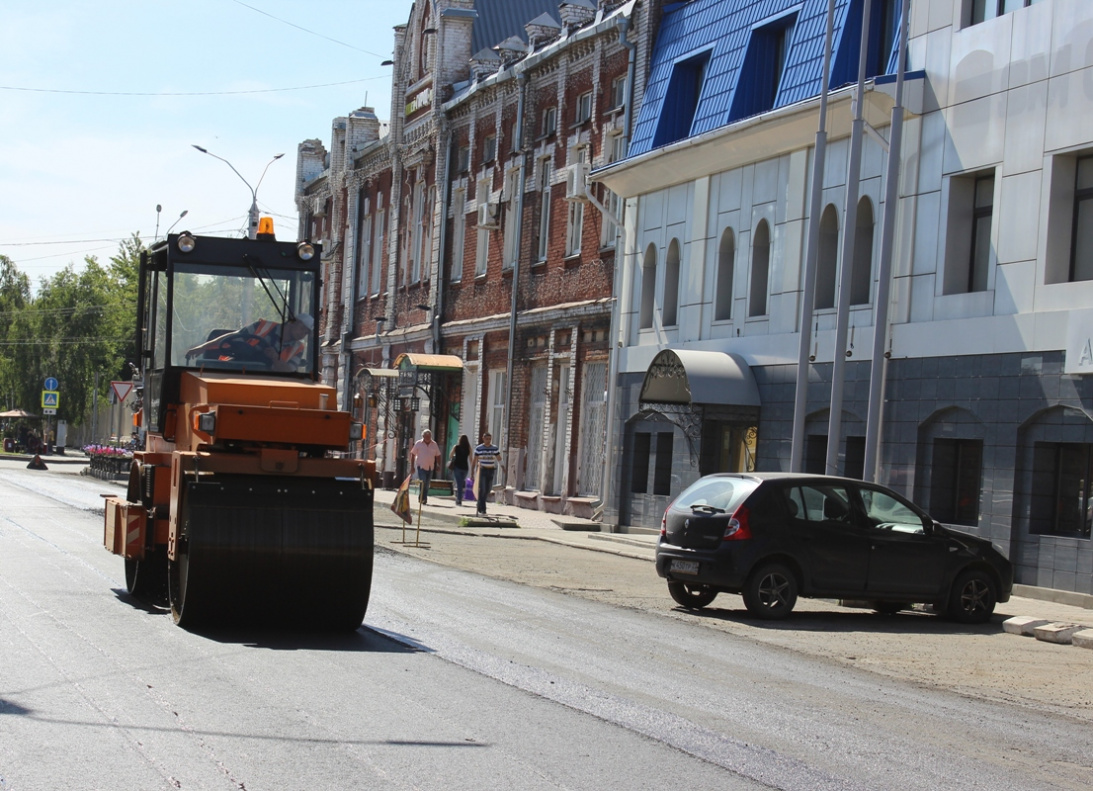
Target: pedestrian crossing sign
x=50, y=399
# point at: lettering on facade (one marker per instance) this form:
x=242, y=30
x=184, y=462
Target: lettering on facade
x=1079, y=343
x=420, y=100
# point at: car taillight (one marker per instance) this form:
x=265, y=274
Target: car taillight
x=664, y=524
x=738, y=528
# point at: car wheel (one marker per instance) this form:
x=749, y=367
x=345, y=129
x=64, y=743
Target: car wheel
x=972, y=599
x=693, y=597
x=770, y=592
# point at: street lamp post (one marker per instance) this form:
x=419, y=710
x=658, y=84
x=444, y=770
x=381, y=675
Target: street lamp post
x=252, y=216
x=176, y=222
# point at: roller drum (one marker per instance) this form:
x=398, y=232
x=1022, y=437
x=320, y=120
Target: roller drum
x=286, y=552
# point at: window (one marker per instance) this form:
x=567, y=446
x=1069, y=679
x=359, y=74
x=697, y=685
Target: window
x=574, y=227
x=459, y=230
x=761, y=73
x=981, y=233
x=955, y=476
x=671, y=285
x=648, y=288
x=364, y=243
x=498, y=395
x=827, y=259
x=662, y=472
x=417, y=231
x=1060, y=499
x=725, y=262
x=681, y=100
x=618, y=92
x=550, y=121
x=887, y=513
x=462, y=159
x=861, y=276
x=639, y=471
x=489, y=148
x=575, y=220
x=377, y=245
x=593, y=426
x=760, y=270
x=481, y=252
x=546, y=170
x=584, y=108
x=537, y=416
x=482, y=248
x=1081, y=246
x=884, y=27
x=982, y=10
x=511, y=243
x=968, y=242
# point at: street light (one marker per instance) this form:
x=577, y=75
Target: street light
x=252, y=217
x=176, y=222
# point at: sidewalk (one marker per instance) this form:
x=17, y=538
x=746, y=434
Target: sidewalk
x=509, y=521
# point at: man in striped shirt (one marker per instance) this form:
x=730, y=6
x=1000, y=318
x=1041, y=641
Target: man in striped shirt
x=486, y=458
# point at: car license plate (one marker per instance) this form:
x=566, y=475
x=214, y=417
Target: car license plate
x=685, y=566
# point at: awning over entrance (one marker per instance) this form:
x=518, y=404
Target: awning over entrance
x=429, y=362
x=683, y=376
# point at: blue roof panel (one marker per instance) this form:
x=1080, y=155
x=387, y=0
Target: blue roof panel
x=726, y=29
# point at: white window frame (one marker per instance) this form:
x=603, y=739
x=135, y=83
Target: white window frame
x=546, y=168
x=496, y=425
x=365, y=250
x=459, y=231
x=377, y=245
x=583, y=110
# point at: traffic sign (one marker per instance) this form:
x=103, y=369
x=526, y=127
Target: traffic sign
x=121, y=390
x=50, y=399
x=49, y=411
x=51, y=383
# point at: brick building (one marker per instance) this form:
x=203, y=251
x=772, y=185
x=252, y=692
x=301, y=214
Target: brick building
x=469, y=267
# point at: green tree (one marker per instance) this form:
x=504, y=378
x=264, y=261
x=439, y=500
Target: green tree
x=79, y=324
x=14, y=298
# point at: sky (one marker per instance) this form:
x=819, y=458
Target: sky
x=102, y=102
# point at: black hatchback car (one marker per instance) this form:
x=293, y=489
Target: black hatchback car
x=772, y=537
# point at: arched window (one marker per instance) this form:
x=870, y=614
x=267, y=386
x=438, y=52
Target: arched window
x=648, y=287
x=671, y=285
x=861, y=283
x=827, y=259
x=760, y=270
x=726, y=254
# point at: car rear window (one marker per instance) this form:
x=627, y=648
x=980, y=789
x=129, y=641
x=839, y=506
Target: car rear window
x=725, y=494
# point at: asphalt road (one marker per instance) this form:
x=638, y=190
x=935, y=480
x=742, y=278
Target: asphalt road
x=457, y=680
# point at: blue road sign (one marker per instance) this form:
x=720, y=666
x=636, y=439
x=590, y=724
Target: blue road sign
x=51, y=384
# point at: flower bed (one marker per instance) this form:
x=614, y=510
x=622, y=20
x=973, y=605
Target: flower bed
x=108, y=462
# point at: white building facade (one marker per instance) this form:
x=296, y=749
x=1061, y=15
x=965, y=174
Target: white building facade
x=987, y=407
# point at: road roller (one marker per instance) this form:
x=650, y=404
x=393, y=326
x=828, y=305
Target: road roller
x=242, y=506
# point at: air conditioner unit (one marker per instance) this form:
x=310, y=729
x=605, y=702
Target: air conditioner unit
x=487, y=216
x=576, y=177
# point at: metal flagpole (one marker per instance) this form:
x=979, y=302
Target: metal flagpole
x=808, y=289
x=884, y=271
x=850, y=229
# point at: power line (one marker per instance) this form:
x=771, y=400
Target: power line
x=305, y=30
x=187, y=93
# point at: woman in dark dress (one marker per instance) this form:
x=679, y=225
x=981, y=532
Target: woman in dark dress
x=460, y=463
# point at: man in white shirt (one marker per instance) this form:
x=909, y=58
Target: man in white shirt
x=424, y=456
